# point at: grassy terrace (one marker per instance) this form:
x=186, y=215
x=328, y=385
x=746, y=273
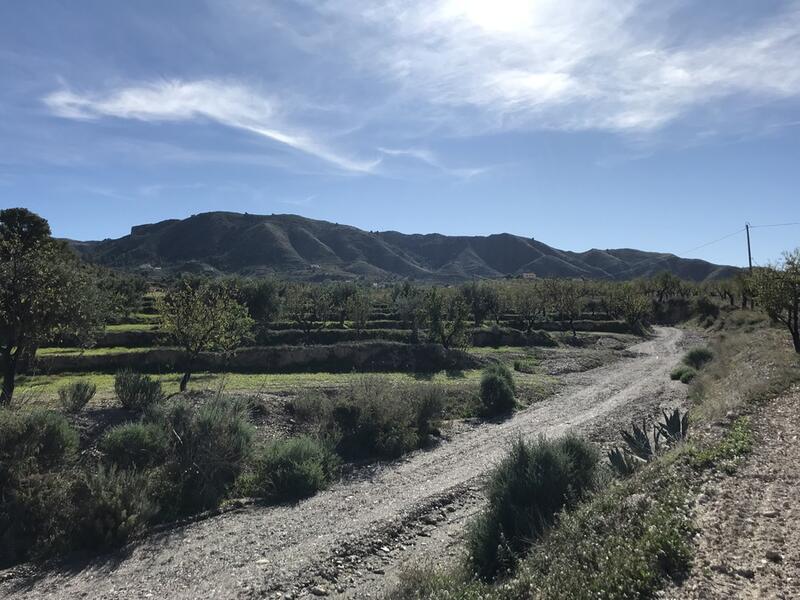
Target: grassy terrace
x=43, y=389
x=88, y=351
x=132, y=327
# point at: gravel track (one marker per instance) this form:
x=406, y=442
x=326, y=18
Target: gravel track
x=351, y=539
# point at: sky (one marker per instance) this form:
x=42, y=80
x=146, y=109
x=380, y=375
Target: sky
x=660, y=125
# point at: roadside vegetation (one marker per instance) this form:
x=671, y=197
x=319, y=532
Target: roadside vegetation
x=105, y=430
x=628, y=534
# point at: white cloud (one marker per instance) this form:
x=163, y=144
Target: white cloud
x=432, y=160
x=230, y=104
x=565, y=64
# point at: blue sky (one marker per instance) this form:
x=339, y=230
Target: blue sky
x=659, y=125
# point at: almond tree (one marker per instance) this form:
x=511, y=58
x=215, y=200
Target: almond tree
x=203, y=318
x=777, y=289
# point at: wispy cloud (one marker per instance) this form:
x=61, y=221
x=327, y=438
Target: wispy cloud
x=566, y=64
x=305, y=201
x=432, y=160
x=230, y=104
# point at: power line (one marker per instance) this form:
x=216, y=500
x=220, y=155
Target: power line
x=673, y=256
x=774, y=225
x=724, y=237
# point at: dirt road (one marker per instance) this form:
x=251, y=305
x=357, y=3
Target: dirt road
x=352, y=538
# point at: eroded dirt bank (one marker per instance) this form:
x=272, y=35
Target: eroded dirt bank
x=353, y=538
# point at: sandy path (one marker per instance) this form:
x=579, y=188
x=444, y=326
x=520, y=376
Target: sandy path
x=352, y=538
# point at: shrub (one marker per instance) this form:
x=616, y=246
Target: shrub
x=698, y=357
x=706, y=308
x=428, y=403
x=76, y=395
x=688, y=375
x=497, y=391
x=34, y=441
x=111, y=506
x=289, y=470
x=208, y=447
x=35, y=515
x=502, y=371
x=135, y=445
x=526, y=490
x=524, y=366
x=677, y=372
x=373, y=417
x=136, y=391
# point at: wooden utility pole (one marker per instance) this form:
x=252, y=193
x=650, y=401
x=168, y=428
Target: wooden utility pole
x=749, y=253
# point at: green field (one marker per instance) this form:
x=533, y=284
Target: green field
x=131, y=327
x=88, y=351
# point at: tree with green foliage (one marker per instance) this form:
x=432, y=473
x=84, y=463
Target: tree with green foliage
x=340, y=295
x=308, y=306
x=45, y=292
x=529, y=302
x=410, y=302
x=633, y=306
x=203, y=317
x=483, y=300
x=262, y=297
x=124, y=292
x=447, y=317
x=359, y=306
x=777, y=290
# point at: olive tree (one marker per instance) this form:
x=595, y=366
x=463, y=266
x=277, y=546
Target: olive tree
x=777, y=290
x=45, y=292
x=203, y=317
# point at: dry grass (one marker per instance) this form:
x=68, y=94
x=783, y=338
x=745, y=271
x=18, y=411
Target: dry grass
x=754, y=362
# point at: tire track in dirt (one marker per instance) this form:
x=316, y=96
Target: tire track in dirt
x=353, y=538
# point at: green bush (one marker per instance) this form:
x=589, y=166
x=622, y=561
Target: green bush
x=111, y=506
x=688, y=375
x=289, y=470
x=526, y=491
x=44, y=514
x=698, y=357
x=373, y=417
x=136, y=391
x=135, y=445
x=208, y=447
x=36, y=515
x=497, y=390
x=502, y=371
x=525, y=366
x=76, y=395
x=34, y=441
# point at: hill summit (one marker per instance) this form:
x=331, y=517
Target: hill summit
x=298, y=247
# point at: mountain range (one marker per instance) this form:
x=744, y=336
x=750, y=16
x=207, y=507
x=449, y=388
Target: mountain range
x=298, y=247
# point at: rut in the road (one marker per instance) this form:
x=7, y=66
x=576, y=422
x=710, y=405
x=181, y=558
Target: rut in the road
x=255, y=550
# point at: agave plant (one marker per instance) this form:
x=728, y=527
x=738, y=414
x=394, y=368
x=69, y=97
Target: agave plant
x=674, y=428
x=623, y=462
x=638, y=441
